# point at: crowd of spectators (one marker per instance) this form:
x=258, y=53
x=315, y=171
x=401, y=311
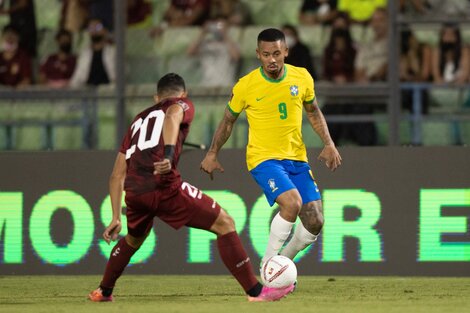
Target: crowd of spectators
x=343, y=60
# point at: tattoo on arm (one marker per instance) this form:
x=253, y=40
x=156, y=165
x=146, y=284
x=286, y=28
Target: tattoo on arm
x=223, y=132
x=318, y=122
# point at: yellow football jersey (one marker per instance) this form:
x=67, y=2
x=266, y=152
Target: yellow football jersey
x=274, y=113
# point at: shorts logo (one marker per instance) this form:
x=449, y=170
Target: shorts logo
x=294, y=90
x=115, y=253
x=272, y=185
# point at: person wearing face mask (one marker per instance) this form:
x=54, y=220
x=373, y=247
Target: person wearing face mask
x=299, y=54
x=450, y=59
x=96, y=63
x=58, y=68
x=15, y=63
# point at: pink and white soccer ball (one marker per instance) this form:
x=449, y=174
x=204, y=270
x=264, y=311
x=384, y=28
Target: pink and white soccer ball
x=278, y=272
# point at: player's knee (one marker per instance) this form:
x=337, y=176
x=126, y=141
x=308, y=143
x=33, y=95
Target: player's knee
x=135, y=242
x=312, y=220
x=224, y=224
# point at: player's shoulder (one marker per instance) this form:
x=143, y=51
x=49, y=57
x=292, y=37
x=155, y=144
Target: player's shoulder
x=295, y=72
x=250, y=78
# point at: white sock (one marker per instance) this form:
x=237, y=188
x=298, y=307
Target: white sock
x=280, y=231
x=301, y=239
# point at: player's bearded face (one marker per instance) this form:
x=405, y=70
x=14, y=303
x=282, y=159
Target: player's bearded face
x=271, y=55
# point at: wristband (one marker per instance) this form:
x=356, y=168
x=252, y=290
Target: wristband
x=169, y=152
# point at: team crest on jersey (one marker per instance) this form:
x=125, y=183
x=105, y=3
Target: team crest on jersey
x=183, y=105
x=294, y=90
x=272, y=185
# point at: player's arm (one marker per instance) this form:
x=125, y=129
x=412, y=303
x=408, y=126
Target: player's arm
x=171, y=125
x=116, y=186
x=316, y=119
x=222, y=134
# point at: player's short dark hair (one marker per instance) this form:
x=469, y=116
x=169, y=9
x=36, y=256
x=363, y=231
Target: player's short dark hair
x=271, y=35
x=170, y=83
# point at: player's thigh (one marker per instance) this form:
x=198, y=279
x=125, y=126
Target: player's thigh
x=303, y=179
x=189, y=207
x=224, y=224
x=139, y=214
x=273, y=178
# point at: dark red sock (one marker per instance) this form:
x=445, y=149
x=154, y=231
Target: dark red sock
x=236, y=260
x=118, y=260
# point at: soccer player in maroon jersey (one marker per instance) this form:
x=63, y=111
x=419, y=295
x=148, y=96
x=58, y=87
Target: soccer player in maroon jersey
x=146, y=168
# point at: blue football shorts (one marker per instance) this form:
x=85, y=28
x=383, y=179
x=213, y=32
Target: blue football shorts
x=278, y=176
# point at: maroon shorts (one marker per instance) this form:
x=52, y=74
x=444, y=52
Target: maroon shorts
x=184, y=205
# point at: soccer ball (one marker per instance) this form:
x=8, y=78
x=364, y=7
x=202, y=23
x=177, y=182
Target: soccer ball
x=278, y=272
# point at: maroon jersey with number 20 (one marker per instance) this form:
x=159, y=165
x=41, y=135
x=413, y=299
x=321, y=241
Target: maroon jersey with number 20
x=143, y=145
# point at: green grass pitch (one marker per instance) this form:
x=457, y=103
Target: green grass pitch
x=221, y=294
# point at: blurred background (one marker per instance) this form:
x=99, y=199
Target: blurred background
x=73, y=73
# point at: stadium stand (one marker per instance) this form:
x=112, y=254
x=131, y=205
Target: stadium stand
x=31, y=124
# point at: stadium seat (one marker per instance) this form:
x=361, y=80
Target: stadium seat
x=361, y=34
x=106, y=128
x=139, y=43
x=465, y=133
x=427, y=33
x=188, y=67
x=30, y=137
x=49, y=17
x=466, y=33
x=316, y=37
x=438, y=134
x=265, y=13
x=445, y=100
x=144, y=69
x=176, y=40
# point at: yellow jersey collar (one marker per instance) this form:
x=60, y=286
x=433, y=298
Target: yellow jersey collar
x=269, y=79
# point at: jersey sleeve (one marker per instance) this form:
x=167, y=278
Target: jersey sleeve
x=188, y=110
x=237, y=102
x=309, y=95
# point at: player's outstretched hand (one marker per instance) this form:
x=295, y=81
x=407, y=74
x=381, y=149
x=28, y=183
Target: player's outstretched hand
x=331, y=157
x=210, y=164
x=162, y=167
x=112, y=231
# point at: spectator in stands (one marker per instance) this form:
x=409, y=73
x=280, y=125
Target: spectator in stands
x=58, y=68
x=183, y=13
x=415, y=66
x=236, y=11
x=449, y=7
x=318, y=12
x=360, y=11
x=138, y=11
x=218, y=53
x=414, y=6
x=371, y=66
x=299, y=53
x=339, y=56
x=15, y=63
x=22, y=18
x=74, y=15
x=102, y=10
x=338, y=67
x=96, y=64
x=187, y=12
x=450, y=62
x=371, y=61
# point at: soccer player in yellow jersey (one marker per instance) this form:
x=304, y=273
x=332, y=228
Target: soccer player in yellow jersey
x=272, y=97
